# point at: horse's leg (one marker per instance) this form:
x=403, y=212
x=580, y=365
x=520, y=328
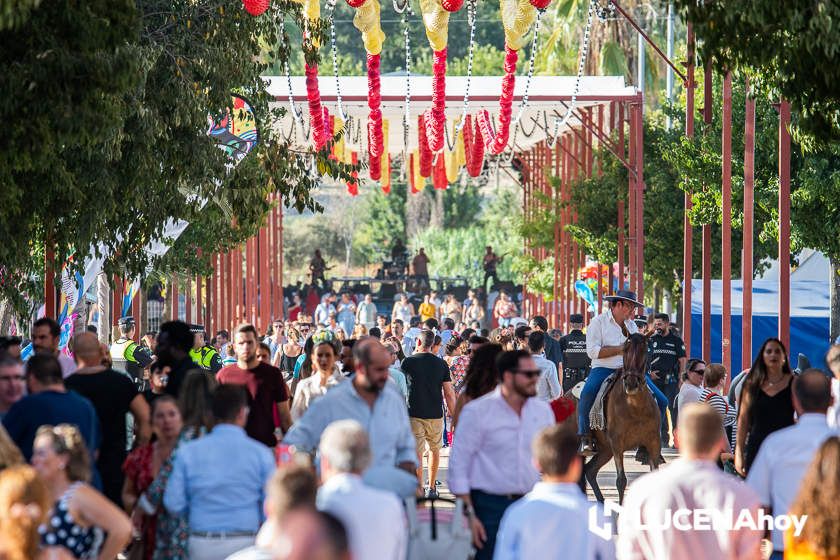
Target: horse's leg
x=591, y=469
x=620, y=477
x=654, y=460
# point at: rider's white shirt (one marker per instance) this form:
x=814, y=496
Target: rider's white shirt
x=604, y=331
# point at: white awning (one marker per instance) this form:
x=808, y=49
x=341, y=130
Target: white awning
x=547, y=96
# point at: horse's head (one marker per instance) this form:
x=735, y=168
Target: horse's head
x=635, y=361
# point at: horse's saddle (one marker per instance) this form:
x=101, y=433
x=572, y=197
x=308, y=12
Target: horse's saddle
x=598, y=412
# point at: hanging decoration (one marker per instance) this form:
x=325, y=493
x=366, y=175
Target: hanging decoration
x=473, y=148
x=517, y=17
x=425, y=167
x=256, y=7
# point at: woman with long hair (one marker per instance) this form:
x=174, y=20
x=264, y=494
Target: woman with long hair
x=24, y=505
x=325, y=351
x=82, y=520
x=10, y=455
x=481, y=378
x=820, y=537
x=766, y=402
x=285, y=359
x=144, y=463
x=172, y=532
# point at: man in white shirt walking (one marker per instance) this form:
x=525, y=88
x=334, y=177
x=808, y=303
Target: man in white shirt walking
x=605, y=339
x=785, y=455
x=548, y=386
x=552, y=520
x=374, y=518
x=490, y=464
x=656, y=520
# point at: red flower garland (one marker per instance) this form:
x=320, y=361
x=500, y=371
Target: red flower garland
x=256, y=7
x=540, y=4
x=375, y=143
x=317, y=114
x=375, y=167
x=435, y=118
x=495, y=141
x=425, y=152
x=356, y=3
x=473, y=148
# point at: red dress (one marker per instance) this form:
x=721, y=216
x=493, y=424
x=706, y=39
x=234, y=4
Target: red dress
x=138, y=469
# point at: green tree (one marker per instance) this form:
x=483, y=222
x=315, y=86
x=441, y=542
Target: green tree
x=106, y=119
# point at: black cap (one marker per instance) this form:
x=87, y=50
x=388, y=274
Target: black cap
x=576, y=318
x=127, y=320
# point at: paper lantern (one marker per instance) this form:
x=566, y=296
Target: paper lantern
x=256, y=7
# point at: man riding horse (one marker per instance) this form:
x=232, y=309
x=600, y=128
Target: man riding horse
x=605, y=339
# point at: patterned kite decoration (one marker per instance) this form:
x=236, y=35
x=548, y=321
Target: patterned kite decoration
x=236, y=133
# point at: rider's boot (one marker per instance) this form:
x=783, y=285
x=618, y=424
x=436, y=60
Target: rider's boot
x=587, y=445
x=642, y=455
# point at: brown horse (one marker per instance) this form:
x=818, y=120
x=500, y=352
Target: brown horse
x=632, y=419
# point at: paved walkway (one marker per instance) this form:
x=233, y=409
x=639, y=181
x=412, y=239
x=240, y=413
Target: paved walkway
x=606, y=478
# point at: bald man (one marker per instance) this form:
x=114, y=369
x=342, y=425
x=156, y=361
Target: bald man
x=113, y=395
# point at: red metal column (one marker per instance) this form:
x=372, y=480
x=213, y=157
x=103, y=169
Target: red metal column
x=726, y=226
x=707, y=232
x=747, y=258
x=265, y=282
x=620, y=244
x=784, y=223
x=49, y=283
x=230, y=290
x=631, y=200
x=238, y=279
x=138, y=314
x=188, y=299
x=555, y=193
x=175, y=304
x=577, y=150
x=687, y=230
x=640, y=202
x=250, y=266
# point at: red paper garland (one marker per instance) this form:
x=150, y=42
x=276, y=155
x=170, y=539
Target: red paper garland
x=425, y=152
x=435, y=118
x=317, y=114
x=473, y=148
x=439, y=179
x=256, y=7
x=356, y=3
x=495, y=141
x=453, y=5
x=375, y=142
x=540, y=4
x=353, y=184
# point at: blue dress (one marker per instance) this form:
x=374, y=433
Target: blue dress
x=62, y=530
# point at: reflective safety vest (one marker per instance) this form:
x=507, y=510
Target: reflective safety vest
x=207, y=358
x=122, y=357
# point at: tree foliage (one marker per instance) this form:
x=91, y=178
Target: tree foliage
x=789, y=48
x=105, y=141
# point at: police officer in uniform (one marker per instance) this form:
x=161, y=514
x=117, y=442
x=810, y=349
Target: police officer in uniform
x=127, y=355
x=666, y=355
x=202, y=353
x=575, y=359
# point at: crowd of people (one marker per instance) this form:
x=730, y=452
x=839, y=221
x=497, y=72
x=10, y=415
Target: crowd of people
x=319, y=437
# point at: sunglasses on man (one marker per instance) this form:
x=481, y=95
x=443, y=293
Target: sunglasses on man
x=529, y=373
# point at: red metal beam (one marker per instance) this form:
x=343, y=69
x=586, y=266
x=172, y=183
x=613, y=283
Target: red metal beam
x=749, y=213
x=784, y=223
x=726, y=226
x=687, y=230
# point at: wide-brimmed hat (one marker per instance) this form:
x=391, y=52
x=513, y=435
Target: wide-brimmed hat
x=624, y=295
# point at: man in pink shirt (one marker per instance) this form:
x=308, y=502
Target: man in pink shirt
x=690, y=508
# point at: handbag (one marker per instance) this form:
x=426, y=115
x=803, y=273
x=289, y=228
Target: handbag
x=437, y=533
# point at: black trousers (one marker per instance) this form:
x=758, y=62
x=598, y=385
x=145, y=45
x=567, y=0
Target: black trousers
x=670, y=390
x=489, y=508
x=490, y=274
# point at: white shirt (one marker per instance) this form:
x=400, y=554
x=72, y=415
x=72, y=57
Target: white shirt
x=310, y=389
x=548, y=385
x=782, y=460
x=604, y=331
x=834, y=411
x=691, y=485
x=551, y=521
x=374, y=519
x=688, y=394
x=492, y=447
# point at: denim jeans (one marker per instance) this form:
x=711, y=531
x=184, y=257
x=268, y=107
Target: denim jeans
x=590, y=391
x=489, y=509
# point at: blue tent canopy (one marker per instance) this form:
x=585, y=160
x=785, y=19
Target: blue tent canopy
x=809, y=318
